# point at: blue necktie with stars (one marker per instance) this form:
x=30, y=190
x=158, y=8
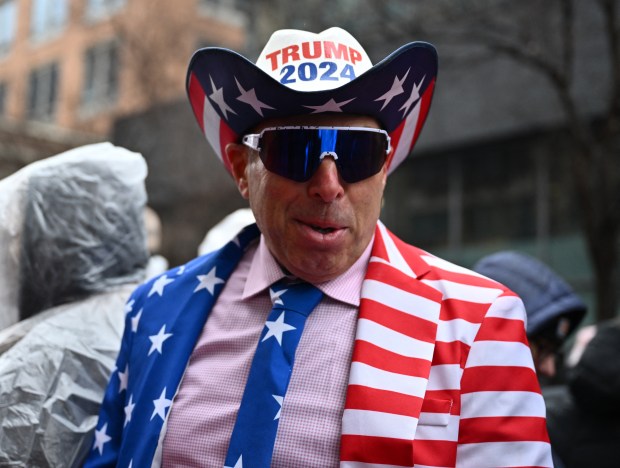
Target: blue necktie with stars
x=254, y=434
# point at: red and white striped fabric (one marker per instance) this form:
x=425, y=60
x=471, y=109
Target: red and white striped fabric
x=441, y=374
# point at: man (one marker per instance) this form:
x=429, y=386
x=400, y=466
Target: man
x=553, y=308
x=405, y=360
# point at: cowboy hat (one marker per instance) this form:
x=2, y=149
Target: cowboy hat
x=300, y=72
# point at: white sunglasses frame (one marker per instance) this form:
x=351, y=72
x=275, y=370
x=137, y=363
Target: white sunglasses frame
x=252, y=140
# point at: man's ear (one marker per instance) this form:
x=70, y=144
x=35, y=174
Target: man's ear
x=238, y=158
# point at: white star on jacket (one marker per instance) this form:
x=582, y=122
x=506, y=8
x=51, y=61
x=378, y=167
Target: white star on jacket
x=101, y=438
x=159, y=285
x=123, y=378
x=129, y=307
x=135, y=321
x=161, y=404
x=129, y=410
x=208, y=281
x=158, y=340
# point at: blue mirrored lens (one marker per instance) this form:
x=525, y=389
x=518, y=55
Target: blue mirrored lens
x=297, y=153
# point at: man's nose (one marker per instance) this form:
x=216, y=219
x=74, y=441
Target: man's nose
x=326, y=183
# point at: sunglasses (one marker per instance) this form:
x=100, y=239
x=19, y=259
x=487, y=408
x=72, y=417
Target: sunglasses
x=297, y=152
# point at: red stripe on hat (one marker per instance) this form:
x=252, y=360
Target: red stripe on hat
x=197, y=100
x=425, y=105
x=394, y=139
x=367, y=449
x=227, y=135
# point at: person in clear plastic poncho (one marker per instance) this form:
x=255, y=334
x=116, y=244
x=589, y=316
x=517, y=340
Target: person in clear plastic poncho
x=72, y=247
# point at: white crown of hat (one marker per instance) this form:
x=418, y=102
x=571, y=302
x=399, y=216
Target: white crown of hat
x=307, y=61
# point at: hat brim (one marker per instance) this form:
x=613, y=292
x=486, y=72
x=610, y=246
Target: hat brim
x=230, y=95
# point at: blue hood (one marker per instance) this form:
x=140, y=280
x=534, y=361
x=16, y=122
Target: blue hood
x=546, y=296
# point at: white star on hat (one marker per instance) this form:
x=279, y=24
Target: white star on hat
x=395, y=90
x=277, y=329
x=249, y=97
x=413, y=97
x=217, y=96
x=329, y=106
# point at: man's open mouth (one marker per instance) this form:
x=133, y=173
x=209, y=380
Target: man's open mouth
x=322, y=230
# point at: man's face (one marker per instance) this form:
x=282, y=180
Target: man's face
x=315, y=229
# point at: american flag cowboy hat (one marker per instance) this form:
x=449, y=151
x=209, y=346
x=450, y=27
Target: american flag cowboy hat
x=300, y=72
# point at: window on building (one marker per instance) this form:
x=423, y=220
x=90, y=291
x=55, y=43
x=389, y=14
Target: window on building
x=100, y=9
x=3, y=93
x=563, y=195
x=499, y=194
x=43, y=92
x=8, y=20
x=101, y=69
x=419, y=201
x=48, y=18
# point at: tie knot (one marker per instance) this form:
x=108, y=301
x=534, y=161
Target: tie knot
x=295, y=296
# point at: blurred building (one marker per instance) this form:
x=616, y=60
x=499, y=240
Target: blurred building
x=80, y=64
x=73, y=71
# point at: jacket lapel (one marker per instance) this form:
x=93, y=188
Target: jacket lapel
x=392, y=354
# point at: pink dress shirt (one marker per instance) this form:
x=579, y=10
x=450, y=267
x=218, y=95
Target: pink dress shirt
x=203, y=414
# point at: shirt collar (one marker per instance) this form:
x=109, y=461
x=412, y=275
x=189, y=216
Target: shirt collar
x=265, y=270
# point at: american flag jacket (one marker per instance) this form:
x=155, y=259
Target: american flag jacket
x=441, y=372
